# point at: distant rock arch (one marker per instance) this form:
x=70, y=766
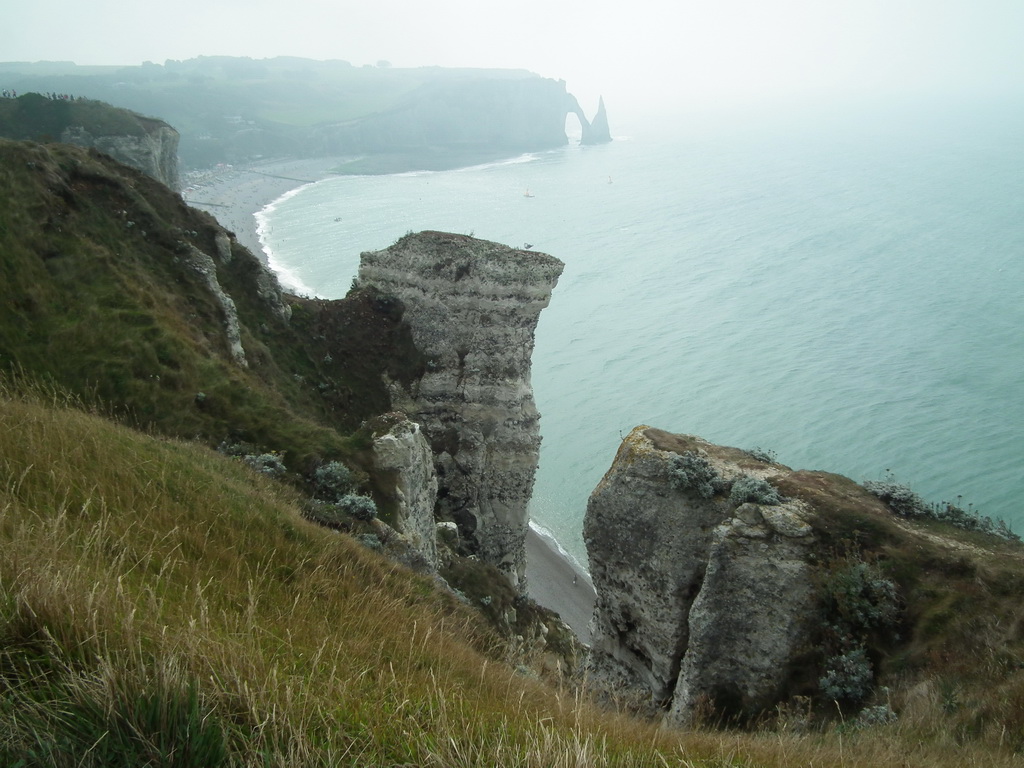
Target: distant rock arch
x=596, y=131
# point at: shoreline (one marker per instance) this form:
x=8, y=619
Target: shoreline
x=559, y=583
x=235, y=194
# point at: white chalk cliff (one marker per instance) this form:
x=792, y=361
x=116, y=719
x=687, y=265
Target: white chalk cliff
x=473, y=307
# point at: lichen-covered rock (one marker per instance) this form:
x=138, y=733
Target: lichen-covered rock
x=749, y=620
x=700, y=600
x=473, y=306
x=403, y=451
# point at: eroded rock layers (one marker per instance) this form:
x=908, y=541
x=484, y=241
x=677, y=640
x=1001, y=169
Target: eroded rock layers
x=473, y=307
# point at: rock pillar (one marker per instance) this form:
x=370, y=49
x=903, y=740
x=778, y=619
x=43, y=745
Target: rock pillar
x=473, y=307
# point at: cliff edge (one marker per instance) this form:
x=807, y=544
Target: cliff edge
x=142, y=143
x=731, y=588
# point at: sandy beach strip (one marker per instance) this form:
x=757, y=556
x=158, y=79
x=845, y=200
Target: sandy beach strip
x=233, y=195
x=556, y=582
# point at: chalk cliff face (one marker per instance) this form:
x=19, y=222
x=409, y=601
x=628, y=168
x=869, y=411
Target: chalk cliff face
x=465, y=114
x=143, y=143
x=153, y=151
x=701, y=599
x=473, y=307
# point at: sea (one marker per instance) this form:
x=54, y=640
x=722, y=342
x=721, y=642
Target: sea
x=840, y=284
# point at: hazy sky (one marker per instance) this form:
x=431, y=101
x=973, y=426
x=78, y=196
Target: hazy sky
x=633, y=51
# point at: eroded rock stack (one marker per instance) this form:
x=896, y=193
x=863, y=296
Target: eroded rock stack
x=704, y=597
x=473, y=307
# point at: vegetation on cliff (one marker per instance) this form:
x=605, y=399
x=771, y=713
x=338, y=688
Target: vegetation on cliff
x=162, y=603
x=103, y=301
x=36, y=117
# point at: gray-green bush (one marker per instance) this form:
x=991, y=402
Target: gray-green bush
x=906, y=503
x=859, y=599
x=270, y=464
x=755, y=489
x=332, y=480
x=360, y=507
x=848, y=677
x=692, y=472
x=763, y=454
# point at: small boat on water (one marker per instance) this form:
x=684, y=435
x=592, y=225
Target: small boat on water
x=527, y=193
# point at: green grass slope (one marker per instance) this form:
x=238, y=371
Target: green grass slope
x=164, y=605
x=38, y=118
x=101, y=298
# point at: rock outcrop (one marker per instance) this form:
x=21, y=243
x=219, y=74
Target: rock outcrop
x=206, y=268
x=600, y=132
x=593, y=132
x=402, y=452
x=703, y=598
x=473, y=307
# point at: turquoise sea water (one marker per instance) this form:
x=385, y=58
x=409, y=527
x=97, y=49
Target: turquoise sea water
x=845, y=288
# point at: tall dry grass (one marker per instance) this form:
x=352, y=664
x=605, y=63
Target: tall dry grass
x=163, y=605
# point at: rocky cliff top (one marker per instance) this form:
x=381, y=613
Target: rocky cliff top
x=143, y=143
x=729, y=585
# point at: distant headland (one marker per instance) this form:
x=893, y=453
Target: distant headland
x=241, y=110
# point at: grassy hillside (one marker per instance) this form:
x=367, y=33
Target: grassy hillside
x=164, y=604
x=103, y=301
x=161, y=604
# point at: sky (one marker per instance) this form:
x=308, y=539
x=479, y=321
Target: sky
x=633, y=53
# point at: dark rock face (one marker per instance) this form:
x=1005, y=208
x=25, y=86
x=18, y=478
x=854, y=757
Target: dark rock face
x=473, y=306
x=700, y=600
